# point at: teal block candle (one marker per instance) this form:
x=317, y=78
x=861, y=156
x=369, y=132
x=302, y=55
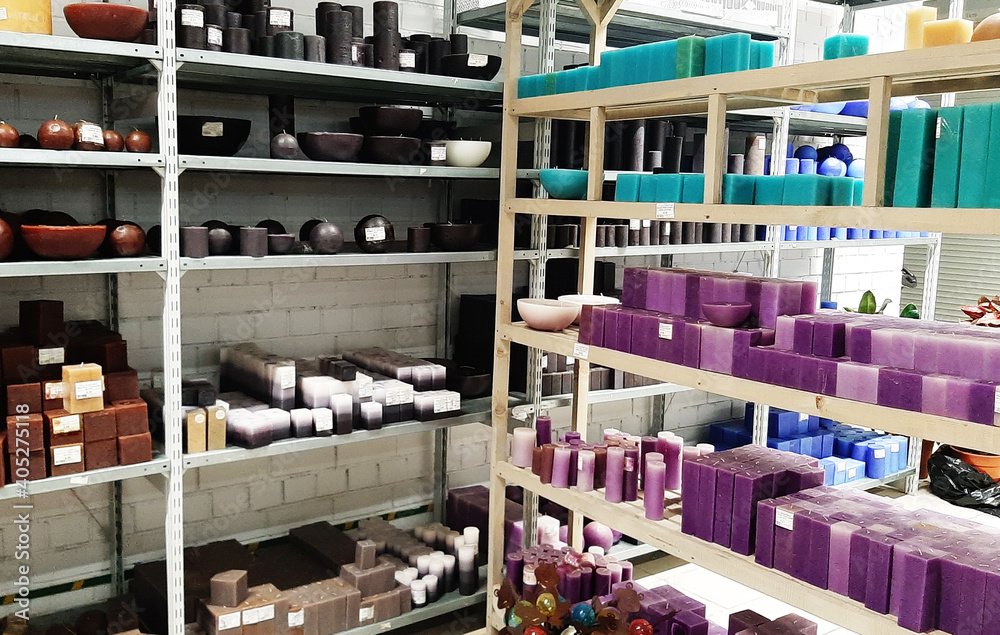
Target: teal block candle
x=738, y=189
x=947, y=157
x=736, y=53
x=529, y=86
x=664, y=65
x=693, y=190
x=975, y=135
x=614, y=65
x=805, y=189
x=590, y=78
x=647, y=188
x=891, y=155
x=644, y=56
x=845, y=45
x=549, y=84
x=761, y=54
x=768, y=190
x=841, y=190
x=859, y=191
x=690, y=56
x=564, y=81
x=627, y=188
x=992, y=196
x=915, y=163
x=669, y=188
x=714, y=52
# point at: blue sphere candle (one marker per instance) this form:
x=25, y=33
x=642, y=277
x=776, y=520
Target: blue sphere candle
x=856, y=168
x=805, y=152
x=832, y=167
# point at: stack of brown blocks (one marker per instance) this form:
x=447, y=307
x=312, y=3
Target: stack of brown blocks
x=375, y=578
x=71, y=399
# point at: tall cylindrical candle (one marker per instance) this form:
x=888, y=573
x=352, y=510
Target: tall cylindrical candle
x=433, y=592
x=616, y=572
x=614, y=475
x=573, y=582
x=627, y=570
x=585, y=470
x=570, y=437
x=515, y=568
x=646, y=445
x=451, y=575
x=522, y=445
x=471, y=535
x=536, y=461
x=600, y=465
x=468, y=577
x=574, y=459
x=560, y=467
x=418, y=593
x=630, y=487
x=705, y=448
x=674, y=448
x=656, y=472
x=602, y=582
x=543, y=429
x=423, y=565
x=529, y=584
x=548, y=456
x=586, y=582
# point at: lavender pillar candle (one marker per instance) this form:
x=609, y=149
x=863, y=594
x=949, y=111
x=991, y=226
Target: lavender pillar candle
x=585, y=470
x=653, y=489
x=523, y=444
x=561, y=467
x=630, y=486
x=543, y=429
x=614, y=475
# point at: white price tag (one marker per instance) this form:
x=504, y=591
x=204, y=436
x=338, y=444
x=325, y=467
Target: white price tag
x=199, y=418
x=407, y=60
x=297, y=618
x=55, y=390
x=478, y=61
x=581, y=351
x=212, y=129
x=629, y=464
x=440, y=405
x=634, y=225
x=229, y=621
x=879, y=453
x=366, y=613
x=439, y=153
x=937, y=130
x=220, y=414
x=192, y=17
x=996, y=401
x=803, y=416
x=784, y=519
x=852, y=473
x=545, y=361
x=365, y=391
x=250, y=617
x=89, y=389
x=374, y=234
x=355, y=53
x=63, y=425
x=762, y=143
x=214, y=36
x=67, y=455
x=579, y=463
x=664, y=210
x=48, y=356
x=281, y=17
x=323, y=419
x=528, y=577
x=90, y=133
x=647, y=223
x=894, y=447
x=265, y=613
x=79, y=480
x=286, y=377
x=3, y=13
x=666, y=331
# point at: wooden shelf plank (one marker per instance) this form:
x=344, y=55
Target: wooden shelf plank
x=913, y=424
x=629, y=518
x=926, y=219
x=956, y=68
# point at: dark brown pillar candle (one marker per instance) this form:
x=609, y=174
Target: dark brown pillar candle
x=234, y=20
x=369, y=54
x=459, y=43
x=315, y=48
x=19, y=364
x=290, y=45
x=194, y=240
x=387, y=45
x=135, y=448
x=676, y=232
x=229, y=588
x=418, y=239
x=191, y=26
x=536, y=461
x=436, y=49
x=321, y=10
x=600, y=466
x=358, y=19
x=98, y=455
x=386, y=16
x=253, y=241
x=216, y=14
x=548, y=453
x=420, y=52
x=338, y=37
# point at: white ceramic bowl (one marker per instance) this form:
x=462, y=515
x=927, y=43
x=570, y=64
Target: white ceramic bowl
x=583, y=299
x=547, y=315
x=467, y=154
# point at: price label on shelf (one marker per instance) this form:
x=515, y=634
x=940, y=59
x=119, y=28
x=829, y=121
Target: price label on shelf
x=439, y=153
x=647, y=223
x=296, y=618
x=478, y=61
x=366, y=613
x=286, y=377
x=629, y=464
x=407, y=60
x=214, y=36
x=323, y=419
x=937, y=129
x=664, y=210
x=803, y=416
x=48, y=356
x=666, y=331
x=355, y=53
x=192, y=17
x=784, y=519
x=374, y=234
x=581, y=351
x=879, y=453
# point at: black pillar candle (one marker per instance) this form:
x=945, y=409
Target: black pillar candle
x=408, y=60
x=216, y=14
x=191, y=26
x=387, y=49
x=613, y=145
x=234, y=20
x=265, y=46
x=358, y=14
x=321, y=10
x=315, y=46
x=249, y=22
x=735, y=164
x=656, y=132
x=289, y=45
x=633, y=145
x=386, y=16
x=676, y=232
x=672, y=148
x=654, y=160
x=338, y=37
x=369, y=54
x=735, y=233
x=260, y=24
x=236, y=41
x=567, y=143
x=420, y=52
x=435, y=51
x=688, y=233
x=725, y=232
x=459, y=44
x=747, y=233
x=213, y=37
x=357, y=52
x=259, y=5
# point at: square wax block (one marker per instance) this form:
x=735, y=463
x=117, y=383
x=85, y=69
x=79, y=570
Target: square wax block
x=845, y=45
x=714, y=52
x=690, y=56
x=915, y=160
x=664, y=66
x=853, y=470
x=972, y=174
x=899, y=389
x=761, y=54
x=892, y=155
x=842, y=191
x=992, y=197
x=768, y=190
x=627, y=187
x=738, y=189
x=947, y=157
x=693, y=190
x=647, y=188
x=528, y=86
x=805, y=189
x=669, y=188
x=945, y=32
x=736, y=52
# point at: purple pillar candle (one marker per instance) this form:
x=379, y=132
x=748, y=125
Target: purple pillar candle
x=573, y=582
x=630, y=486
x=547, y=460
x=647, y=445
x=523, y=444
x=653, y=491
x=614, y=475
x=561, y=467
x=602, y=582
x=515, y=568
x=672, y=454
x=543, y=429
x=585, y=470
x=616, y=572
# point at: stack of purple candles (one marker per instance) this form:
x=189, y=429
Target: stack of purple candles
x=581, y=575
x=931, y=570
x=749, y=622
x=722, y=489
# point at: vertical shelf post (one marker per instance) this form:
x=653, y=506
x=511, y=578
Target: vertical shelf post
x=878, y=139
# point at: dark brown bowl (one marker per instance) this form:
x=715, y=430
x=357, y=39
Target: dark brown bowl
x=103, y=21
x=212, y=136
x=459, y=66
x=280, y=244
x=331, y=146
x=386, y=121
x=455, y=236
x=397, y=150
x=63, y=243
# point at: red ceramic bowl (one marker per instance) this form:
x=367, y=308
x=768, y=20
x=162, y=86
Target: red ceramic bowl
x=104, y=21
x=63, y=243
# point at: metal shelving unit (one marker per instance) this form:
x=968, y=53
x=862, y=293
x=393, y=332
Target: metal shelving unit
x=159, y=466
x=331, y=168
x=214, y=263
x=80, y=267
x=54, y=56
x=78, y=159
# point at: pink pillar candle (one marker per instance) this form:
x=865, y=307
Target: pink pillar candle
x=672, y=458
x=523, y=444
x=561, y=467
x=614, y=475
x=656, y=472
x=585, y=470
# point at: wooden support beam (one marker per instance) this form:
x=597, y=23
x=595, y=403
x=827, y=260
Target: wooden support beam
x=715, y=149
x=878, y=139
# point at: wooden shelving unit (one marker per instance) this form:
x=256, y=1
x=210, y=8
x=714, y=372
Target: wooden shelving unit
x=965, y=67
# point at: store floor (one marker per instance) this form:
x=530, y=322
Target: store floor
x=720, y=595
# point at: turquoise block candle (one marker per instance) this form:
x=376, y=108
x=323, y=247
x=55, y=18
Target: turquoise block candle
x=761, y=54
x=627, y=188
x=841, y=190
x=690, y=56
x=738, y=189
x=664, y=65
x=642, y=63
x=528, y=86
x=669, y=188
x=613, y=63
x=975, y=135
x=859, y=191
x=564, y=82
x=714, y=52
x=947, y=157
x=647, y=188
x=549, y=84
x=845, y=45
x=805, y=189
x=992, y=197
x=590, y=78
x=891, y=155
x=915, y=163
x=736, y=52
x=693, y=190
x=768, y=190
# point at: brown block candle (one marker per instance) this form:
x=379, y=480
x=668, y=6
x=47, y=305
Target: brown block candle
x=53, y=392
x=24, y=399
x=38, y=465
x=98, y=455
x=84, y=388
x=353, y=596
x=23, y=429
x=217, y=416
x=135, y=448
x=276, y=597
x=19, y=364
x=66, y=459
x=374, y=581
x=41, y=322
x=405, y=599
x=3, y=460
x=100, y=425
x=121, y=385
x=229, y=588
x=62, y=428
x=220, y=620
x=108, y=350
x=132, y=416
x=196, y=433
x=364, y=554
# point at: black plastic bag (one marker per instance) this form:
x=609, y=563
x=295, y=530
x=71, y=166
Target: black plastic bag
x=957, y=482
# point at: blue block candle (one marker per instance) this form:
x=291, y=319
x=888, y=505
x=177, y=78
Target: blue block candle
x=823, y=233
x=761, y=54
x=791, y=233
x=802, y=233
x=647, y=188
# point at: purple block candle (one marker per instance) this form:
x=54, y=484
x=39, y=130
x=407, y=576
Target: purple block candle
x=879, y=572
x=899, y=389
x=784, y=333
x=950, y=597
x=722, y=523
x=764, y=545
x=858, y=382
x=840, y=556
x=808, y=378
x=768, y=311
x=982, y=402
x=717, y=349
x=692, y=344
x=670, y=339
x=758, y=359
x=860, y=343
x=749, y=487
x=623, y=341
x=920, y=583
x=973, y=601
x=688, y=623
x=784, y=545
x=803, y=336
x=611, y=317
x=828, y=339
x=692, y=295
x=857, y=584
x=707, y=476
x=691, y=470
x=592, y=325
x=658, y=290
x=645, y=334
x=810, y=298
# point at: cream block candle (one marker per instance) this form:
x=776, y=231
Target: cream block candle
x=915, y=19
x=945, y=32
